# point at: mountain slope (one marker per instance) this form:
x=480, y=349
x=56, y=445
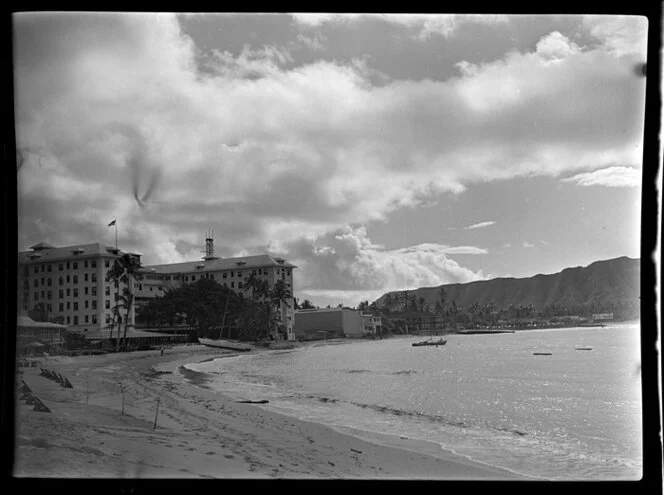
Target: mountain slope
x=603, y=282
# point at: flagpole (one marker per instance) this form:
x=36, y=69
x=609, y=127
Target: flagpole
x=116, y=234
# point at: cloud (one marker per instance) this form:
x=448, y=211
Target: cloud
x=608, y=177
x=121, y=122
x=348, y=261
x=619, y=34
x=424, y=26
x=526, y=244
x=479, y=225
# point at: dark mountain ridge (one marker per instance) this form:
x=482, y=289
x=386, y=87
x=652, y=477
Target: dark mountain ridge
x=607, y=282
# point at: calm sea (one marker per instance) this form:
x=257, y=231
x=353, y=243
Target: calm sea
x=571, y=415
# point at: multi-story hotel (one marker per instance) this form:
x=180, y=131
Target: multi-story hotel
x=71, y=281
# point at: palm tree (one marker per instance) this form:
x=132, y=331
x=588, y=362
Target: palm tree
x=125, y=270
x=280, y=297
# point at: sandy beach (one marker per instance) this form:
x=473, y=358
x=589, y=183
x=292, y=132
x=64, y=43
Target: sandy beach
x=199, y=433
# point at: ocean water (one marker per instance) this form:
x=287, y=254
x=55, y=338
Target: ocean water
x=571, y=415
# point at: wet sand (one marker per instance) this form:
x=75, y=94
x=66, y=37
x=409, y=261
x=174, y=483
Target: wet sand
x=199, y=433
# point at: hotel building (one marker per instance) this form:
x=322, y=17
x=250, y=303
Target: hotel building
x=71, y=282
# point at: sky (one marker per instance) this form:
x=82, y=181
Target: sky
x=374, y=152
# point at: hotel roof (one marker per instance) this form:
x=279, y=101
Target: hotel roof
x=45, y=252
x=240, y=263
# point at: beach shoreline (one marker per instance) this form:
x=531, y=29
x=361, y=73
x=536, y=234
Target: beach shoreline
x=199, y=433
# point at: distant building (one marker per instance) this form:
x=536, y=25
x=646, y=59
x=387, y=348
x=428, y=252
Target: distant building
x=328, y=322
x=372, y=324
x=603, y=316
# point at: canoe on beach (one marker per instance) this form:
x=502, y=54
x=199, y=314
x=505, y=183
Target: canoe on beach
x=430, y=342
x=223, y=344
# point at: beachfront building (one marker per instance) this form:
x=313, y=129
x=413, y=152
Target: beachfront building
x=313, y=324
x=372, y=324
x=232, y=273
x=35, y=337
x=69, y=283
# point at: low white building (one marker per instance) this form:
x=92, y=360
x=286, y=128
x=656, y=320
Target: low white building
x=328, y=322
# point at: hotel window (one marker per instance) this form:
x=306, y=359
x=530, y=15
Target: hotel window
x=49, y=268
x=43, y=267
x=75, y=292
x=106, y=263
x=85, y=264
x=75, y=305
x=36, y=296
x=224, y=275
x=36, y=269
x=75, y=265
x=93, y=264
x=239, y=285
x=232, y=285
x=75, y=279
x=75, y=319
x=62, y=307
x=94, y=304
x=42, y=281
x=48, y=281
x=48, y=295
x=61, y=281
x=94, y=319
x=68, y=292
x=42, y=296
x=36, y=283
x=108, y=319
x=49, y=308
x=61, y=267
x=94, y=277
x=94, y=291
x=86, y=318
x=86, y=304
x=85, y=277
x=68, y=320
x=68, y=279
x=193, y=277
x=68, y=265
x=107, y=304
x=68, y=305
x=85, y=291
x=107, y=291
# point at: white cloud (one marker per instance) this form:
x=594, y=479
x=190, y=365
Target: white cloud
x=619, y=34
x=479, y=225
x=115, y=107
x=424, y=25
x=608, y=177
x=526, y=244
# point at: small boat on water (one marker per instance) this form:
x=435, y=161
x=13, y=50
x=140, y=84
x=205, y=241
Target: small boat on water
x=583, y=348
x=223, y=344
x=541, y=353
x=430, y=342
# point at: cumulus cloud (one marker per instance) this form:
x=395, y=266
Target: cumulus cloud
x=347, y=261
x=608, y=177
x=479, y=225
x=118, y=121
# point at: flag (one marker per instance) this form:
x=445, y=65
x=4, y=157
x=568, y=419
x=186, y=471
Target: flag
x=112, y=223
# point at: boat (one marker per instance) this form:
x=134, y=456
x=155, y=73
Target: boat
x=541, y=353
x=583, y=348
x=430, y=342
x=223, y=343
